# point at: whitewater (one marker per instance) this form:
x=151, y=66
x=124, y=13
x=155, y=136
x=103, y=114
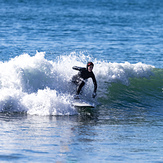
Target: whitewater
x=37, y=86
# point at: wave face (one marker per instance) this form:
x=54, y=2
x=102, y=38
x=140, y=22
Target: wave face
x=140, y=93
x=35, y=85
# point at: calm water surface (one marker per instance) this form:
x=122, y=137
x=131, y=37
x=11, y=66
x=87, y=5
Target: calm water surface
x=111, y=138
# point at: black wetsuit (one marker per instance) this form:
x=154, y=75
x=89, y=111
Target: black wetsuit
x=80, y=78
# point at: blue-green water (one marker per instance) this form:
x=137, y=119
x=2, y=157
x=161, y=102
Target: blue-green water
x=41, y=40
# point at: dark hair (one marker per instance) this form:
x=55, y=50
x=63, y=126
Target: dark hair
x=89, y=64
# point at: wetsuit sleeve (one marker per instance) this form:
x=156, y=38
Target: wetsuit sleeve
x=94, y=82
x=77, y=68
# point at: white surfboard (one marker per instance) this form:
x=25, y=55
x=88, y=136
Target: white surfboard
x=82, y=104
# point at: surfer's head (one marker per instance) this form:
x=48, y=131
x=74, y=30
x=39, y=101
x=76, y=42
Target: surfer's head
x=90, y=66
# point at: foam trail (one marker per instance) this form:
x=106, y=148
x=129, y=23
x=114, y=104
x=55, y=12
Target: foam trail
x=35, y=85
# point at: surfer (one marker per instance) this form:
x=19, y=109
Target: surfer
x=79, y=79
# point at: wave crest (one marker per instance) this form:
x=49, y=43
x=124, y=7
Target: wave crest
x=36, y=85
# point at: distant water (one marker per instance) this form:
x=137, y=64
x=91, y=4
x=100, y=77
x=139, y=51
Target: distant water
x=41, y=40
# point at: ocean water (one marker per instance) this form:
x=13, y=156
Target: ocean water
x=41, y=40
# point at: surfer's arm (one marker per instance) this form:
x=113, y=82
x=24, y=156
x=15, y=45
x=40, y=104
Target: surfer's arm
x=95, y=87
x=95, y=83
x=77, y=68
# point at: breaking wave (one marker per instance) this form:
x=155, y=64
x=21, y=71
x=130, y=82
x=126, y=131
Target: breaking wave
x=35, y=85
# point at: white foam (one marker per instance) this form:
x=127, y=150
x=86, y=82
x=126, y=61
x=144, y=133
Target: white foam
x=48, y=102
x=38, y=86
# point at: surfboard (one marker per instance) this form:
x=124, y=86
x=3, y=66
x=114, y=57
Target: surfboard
x=82, y=104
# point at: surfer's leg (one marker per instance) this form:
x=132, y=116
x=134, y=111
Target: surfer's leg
x=79, y=87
